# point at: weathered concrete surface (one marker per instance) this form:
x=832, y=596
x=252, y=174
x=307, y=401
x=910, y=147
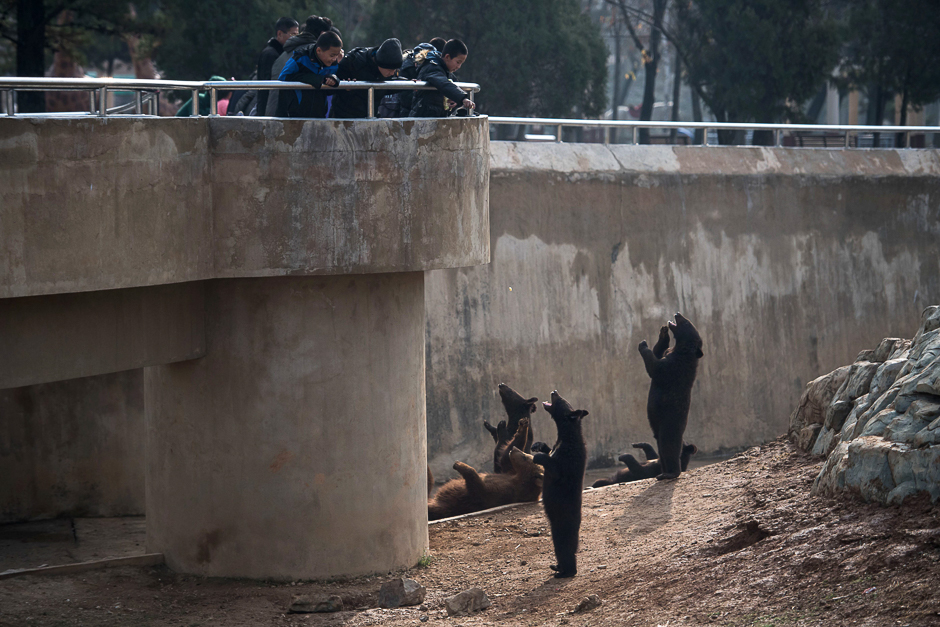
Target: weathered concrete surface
x=98, y=204
x=343, y=197
x=73, y=448
x=295, y=448
x=68, y=336
x=786, y=260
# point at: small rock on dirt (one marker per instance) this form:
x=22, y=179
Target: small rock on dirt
x=467, y=602
x=401, y=591
x=307, y=604
x=589, y=603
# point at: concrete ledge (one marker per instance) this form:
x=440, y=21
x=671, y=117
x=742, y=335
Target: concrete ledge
x=68, y=336
x=109, y=203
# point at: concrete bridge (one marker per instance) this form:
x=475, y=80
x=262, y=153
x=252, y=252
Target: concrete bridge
x=259, y=308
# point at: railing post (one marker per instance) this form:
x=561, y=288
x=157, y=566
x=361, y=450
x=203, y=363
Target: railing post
x=92, y=109
x=213, y=102
x=635, y=137
x=704, y=136
x=370, y=103
x=848, y=142
x=103, y=101
x=606, y=130
x=138, y=102
x=907, y=139
x=195, y=111
x=778, y=136
x=11, y=102
x=558, y=133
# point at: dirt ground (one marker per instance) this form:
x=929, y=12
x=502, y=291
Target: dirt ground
x=739, y=542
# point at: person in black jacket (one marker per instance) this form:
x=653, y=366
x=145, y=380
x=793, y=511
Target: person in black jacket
x=316, y=65
x=365, y=64
x=438, y=72
x=285, y=28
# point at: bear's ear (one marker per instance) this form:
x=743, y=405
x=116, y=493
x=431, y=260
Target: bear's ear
x=532, y=404
x=580, y=413
x=699, y=353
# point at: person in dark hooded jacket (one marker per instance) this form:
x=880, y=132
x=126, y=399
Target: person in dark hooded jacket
x=438, y=72
x=316, y=65
x=284, y=29
x=373, y=65
x=314, y=26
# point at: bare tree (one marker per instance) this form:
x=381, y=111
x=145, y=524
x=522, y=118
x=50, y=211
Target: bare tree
x=653, y=17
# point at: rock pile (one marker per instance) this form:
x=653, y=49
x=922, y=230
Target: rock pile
x=878, y=419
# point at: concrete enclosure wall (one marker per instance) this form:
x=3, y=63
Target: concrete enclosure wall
x=788, y=261
x=73, y=447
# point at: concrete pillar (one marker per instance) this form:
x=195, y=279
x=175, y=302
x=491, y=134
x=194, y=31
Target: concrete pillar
x=297, y=447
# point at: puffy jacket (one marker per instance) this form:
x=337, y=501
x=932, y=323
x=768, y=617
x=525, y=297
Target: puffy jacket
x=305, y=67
x=289, y=46
x=433, y=104
x=358, y=65
x=397, y=104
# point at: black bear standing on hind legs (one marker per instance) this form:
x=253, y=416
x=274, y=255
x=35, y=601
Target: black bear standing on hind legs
x=672, y=373
x=562, y=483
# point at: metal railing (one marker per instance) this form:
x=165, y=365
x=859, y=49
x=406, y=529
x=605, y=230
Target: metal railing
x=145, y=91
x=846, y=131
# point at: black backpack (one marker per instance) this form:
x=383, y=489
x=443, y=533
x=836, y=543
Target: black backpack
x=393, y=104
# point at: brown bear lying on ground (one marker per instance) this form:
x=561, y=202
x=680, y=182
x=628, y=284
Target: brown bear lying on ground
x=474, y=492
x=636, y=471
x=561, y=488
x=516, y=408
x=672, y=374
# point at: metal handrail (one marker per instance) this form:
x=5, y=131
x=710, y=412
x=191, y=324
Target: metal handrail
x=777, y=129
x=101, y=86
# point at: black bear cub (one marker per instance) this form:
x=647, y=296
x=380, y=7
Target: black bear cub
x=562, y=483
x=635, y=471
x=516, y=408
x=672, y=373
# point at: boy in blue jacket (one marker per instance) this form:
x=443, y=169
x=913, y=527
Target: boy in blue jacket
x=438, y=71
x=316, y=65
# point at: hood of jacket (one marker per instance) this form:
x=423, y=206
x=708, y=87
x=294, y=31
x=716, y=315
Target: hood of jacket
x=276, y=45
x=299, y=40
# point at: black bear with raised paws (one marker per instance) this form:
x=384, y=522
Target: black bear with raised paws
x=672, y=374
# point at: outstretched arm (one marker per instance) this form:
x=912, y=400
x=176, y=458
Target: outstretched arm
x=492, y=431
x=653, y=365
x=662, y=344
x=647, y=449
x=471, y=476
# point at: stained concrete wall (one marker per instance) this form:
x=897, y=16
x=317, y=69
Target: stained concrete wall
x=788, y=261
x=73, y=447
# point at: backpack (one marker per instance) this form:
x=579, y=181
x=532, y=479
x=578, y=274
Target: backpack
x=412, y=60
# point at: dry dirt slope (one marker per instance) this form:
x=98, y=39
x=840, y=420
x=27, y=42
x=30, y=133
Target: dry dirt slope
x=736, y=543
